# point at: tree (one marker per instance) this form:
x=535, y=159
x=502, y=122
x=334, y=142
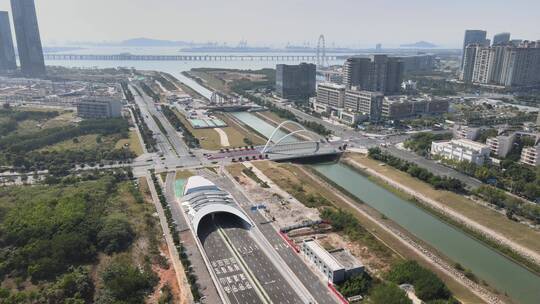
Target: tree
x=115, y=235
x=358, y=284
x=389, y=293
x=427, y=285
x=72, y=287
x=126, y=283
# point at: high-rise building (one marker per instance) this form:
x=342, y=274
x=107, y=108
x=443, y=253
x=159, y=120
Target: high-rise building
x=28, y=38
x=418, y=63
x=473, y=37
x=296, y=81
x=503, y=64
x=378, y=73
x=482, y=69
x=521, y=65
x=7, y=52
x=501, y=38
x=355, y=71
x=469, y=59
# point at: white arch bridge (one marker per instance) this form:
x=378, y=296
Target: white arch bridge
x=284, y=144
x=301, y=138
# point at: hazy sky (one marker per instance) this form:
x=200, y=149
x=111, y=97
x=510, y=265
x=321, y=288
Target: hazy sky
x=343, y=22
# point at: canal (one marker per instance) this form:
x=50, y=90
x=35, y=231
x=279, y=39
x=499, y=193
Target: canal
x=499, y=271
x=261, y=126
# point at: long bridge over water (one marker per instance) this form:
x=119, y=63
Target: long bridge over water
x=236, y=57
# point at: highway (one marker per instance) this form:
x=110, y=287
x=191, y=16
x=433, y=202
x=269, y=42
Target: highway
x=308, y=279
x=232, y=277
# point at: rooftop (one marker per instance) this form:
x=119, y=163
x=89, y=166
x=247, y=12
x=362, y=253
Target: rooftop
x=202, y=197
x=198, y=183
x=326, y=257
x=346, y=259
x=332, y=85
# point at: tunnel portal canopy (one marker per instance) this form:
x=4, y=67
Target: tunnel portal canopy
x=202, y=198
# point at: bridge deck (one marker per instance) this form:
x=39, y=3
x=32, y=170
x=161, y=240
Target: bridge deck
x=132, y=57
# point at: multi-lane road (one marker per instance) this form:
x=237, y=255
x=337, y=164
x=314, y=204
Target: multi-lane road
x=248, y=265
x=307, y=278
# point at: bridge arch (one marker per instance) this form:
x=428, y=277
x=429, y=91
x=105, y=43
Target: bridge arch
x=279, y=127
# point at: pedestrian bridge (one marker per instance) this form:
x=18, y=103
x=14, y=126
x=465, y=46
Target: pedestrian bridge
x=203, y=198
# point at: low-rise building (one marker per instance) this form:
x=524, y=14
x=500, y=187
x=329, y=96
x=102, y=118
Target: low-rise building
x=501, y=145
x=461, y=150
x=331, y=94
x=531, y=156
x=336, y=266
x=99, y=108
x=364, y=102
x=403, y=107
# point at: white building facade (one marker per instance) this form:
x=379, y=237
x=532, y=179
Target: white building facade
x=461, y=150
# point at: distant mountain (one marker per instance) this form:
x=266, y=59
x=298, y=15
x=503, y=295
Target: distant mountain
x=420, y=45
x=152, y=42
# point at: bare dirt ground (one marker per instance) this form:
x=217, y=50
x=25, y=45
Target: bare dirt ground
x=166, y=277
x=280, y=205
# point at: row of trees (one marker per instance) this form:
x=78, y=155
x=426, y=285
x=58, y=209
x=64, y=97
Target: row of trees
x=511, y=204
x=438, y=182
x=189, y=138
x=148, y=91
x=127, y=91
x=148, y=136
x=510, y=175
x=184, y=258
x=165, y=82
x=60, y=163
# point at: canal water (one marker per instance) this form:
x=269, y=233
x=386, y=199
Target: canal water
x=262, y=126
x=500, y=272
x=488, y=265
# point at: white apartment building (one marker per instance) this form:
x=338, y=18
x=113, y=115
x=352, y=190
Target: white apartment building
x=461, y=150
x=531, y=156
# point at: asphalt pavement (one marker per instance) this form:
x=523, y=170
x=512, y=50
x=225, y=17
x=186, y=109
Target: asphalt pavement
x=233, y=279
x=316, y=287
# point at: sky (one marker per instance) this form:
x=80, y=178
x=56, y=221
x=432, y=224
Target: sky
x=346, y=23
